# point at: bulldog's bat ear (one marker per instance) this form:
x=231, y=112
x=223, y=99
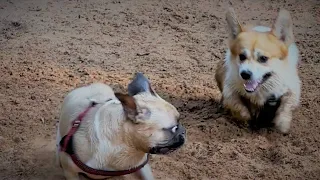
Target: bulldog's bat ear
x=139, y=84
x=129, y=105
x=131, y=110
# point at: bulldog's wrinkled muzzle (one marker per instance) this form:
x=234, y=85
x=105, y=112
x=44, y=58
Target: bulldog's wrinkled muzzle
x=178, y=140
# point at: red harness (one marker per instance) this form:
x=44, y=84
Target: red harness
x=66, y=146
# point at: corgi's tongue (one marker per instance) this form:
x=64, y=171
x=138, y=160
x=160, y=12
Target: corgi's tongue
x=251, y=86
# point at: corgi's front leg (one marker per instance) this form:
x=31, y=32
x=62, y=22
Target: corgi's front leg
x=282, y=121
x=238, y=110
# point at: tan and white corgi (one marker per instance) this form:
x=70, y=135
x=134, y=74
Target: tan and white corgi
x=259, y=71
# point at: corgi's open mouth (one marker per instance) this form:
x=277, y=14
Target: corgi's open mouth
x=251, y=85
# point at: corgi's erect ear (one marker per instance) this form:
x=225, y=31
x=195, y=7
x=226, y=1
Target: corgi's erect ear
x=233, y=23
x=283, y=27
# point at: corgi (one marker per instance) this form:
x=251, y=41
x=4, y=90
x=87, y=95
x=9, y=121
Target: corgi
x=258, y=78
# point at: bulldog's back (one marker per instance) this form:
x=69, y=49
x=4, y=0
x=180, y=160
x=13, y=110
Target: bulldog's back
x=80, y=99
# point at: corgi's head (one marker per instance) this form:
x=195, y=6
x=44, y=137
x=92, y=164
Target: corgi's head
x=258, y=54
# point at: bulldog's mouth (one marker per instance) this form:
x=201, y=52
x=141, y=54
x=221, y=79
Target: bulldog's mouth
x=178, y=139
x=252, y=85
x=175, y=144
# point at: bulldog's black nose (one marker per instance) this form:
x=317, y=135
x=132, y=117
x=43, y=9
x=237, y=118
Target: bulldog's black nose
x=246, y=75
x=181, y=130
x=182, y=137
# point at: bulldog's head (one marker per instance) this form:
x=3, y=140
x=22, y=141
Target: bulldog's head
x=153, y=122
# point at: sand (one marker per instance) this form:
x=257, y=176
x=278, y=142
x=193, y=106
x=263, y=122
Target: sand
x=49, y=47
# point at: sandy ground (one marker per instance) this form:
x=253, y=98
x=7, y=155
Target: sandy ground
x=48, y=47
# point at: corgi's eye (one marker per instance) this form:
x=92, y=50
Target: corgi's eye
x=242, y=57
x=263, y=59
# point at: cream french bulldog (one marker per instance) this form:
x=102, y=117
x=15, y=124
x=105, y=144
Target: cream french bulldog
x=103, y=134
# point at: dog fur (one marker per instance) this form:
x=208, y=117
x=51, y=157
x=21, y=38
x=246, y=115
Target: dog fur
x=277, y=44
x=116, y=134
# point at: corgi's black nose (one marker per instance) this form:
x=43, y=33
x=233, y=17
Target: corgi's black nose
x=246, y=75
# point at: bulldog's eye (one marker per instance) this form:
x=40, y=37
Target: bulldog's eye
x=171, y=129
x=174, y=129
x=242, y=57
x=263, y=59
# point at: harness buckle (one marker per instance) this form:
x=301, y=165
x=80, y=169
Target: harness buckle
x=76, y=123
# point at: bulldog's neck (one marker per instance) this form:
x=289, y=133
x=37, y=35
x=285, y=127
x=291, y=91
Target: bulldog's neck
x=104, y=142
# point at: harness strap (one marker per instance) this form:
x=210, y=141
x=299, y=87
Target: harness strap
x=66, y=145
x=75, y=126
